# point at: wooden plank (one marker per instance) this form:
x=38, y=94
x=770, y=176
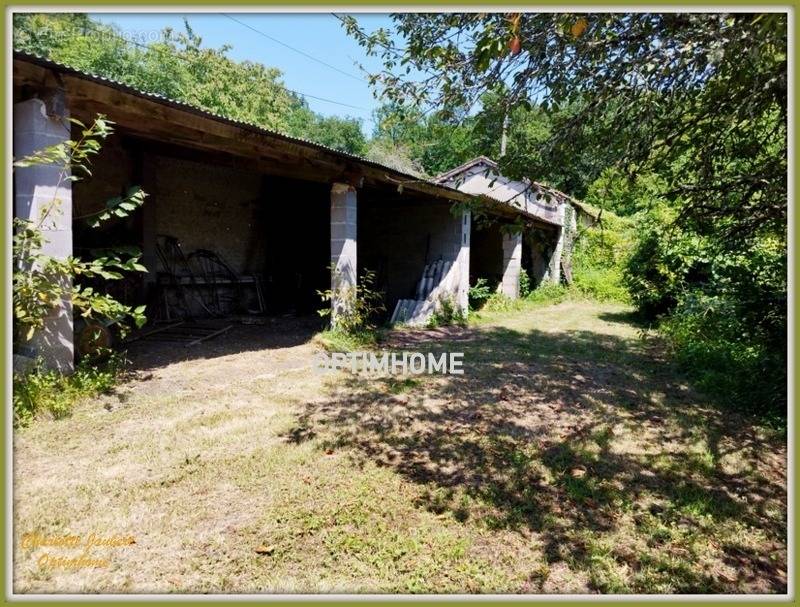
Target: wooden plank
x=188, y=331
x=209, y=336
x=154, y=331
x=566, y=266
x=187, y=126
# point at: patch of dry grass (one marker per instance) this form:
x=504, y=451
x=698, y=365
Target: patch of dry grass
x=570, y=458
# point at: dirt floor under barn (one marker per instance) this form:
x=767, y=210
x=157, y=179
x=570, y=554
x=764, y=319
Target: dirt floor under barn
x=570, y=457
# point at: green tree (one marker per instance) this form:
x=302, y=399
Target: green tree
x=178, y=66
x=699, y=97
x=438, y=142
x=625, y=194
x=343, y=134
x=431, y=141
x=678, y=119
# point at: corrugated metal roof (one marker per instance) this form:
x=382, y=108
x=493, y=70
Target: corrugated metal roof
x=442, y=177
x=446, y=176
x=64, y=68
x=447, y=191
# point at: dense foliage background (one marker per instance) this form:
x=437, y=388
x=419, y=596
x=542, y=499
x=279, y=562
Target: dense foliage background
x=676, y=121
x=674, y=124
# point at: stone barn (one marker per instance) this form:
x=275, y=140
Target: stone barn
x=500, y=250
x=278, y=217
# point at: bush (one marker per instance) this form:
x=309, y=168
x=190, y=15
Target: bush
x=500, y=302
x=40, y=281
x=722, y=305
x=479, y=293
x=361, y=305
x=602, y=284
x=447, y=313
x=549, y=293
x=42, y=391
x=599, y=258
x=664, y=262
x=731, y=360
x=525, y=285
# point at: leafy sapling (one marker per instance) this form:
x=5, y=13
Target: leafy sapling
x=41, y=282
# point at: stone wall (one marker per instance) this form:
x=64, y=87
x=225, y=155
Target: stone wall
x=211, y=207
x=276, y=229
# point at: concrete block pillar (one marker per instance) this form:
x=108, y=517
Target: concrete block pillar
x=43, y=196
x=512, y=264
x=462, y=261
x=344, y=266
x=554, y=272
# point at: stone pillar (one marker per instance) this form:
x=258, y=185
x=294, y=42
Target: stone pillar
x=462, y=293
x=344, y=266
x=555, y=259
x=44, y=197
x=512, y=264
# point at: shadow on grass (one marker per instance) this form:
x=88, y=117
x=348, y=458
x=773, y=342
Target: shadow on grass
x=160, y=349
x=575, y=437
x=631, y=317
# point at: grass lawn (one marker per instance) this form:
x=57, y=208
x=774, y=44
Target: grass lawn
x=570, y=457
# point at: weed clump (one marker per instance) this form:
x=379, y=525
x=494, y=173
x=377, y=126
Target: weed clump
x=41, y=391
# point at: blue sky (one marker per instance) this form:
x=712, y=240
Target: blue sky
x=317, y=34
